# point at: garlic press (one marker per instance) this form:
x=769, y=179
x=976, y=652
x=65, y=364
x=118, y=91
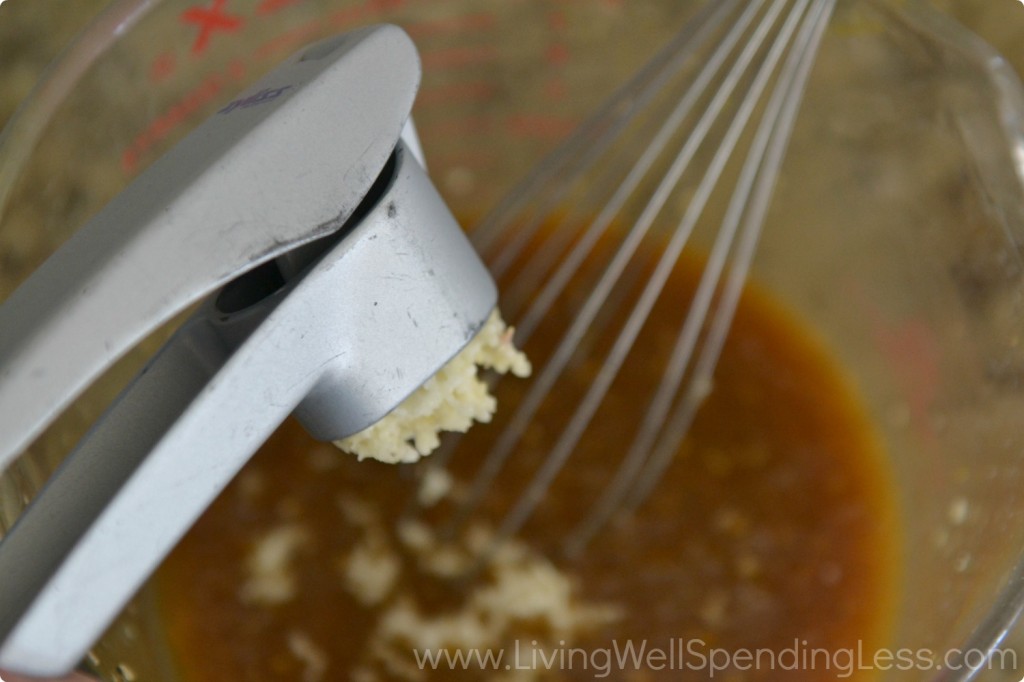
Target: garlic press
x=332, y=281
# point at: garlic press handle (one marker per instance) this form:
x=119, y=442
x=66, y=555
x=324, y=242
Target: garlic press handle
x=377, y=313
x=284, y=164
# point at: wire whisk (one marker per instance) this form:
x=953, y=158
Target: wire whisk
x=693, y=143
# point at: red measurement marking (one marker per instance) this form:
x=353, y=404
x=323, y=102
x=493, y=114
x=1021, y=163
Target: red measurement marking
x=237, y=70
x=455, y=57
x=913, y=354
x=476, y=160
x=209, y=20
x=271, y=6
x=426, y=29
x=557, y=20
x=378, y=6
x=557, y=54
x=456, y=92
x=191, y=102
x=162, y=67
x=344, y=18
x=450, y=127
x=540, y=125
x=160, y=127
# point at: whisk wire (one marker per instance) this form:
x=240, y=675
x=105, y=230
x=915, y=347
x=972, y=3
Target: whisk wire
x=787, y=99
x=644, y=464
x=578, y=152
x=599, y=227
x=743, y=64
x=595, y=395
x=545, y=382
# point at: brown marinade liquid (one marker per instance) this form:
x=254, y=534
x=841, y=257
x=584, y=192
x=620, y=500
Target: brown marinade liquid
x=773, y=528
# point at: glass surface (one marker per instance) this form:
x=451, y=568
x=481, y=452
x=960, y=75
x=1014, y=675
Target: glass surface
x=911, y=270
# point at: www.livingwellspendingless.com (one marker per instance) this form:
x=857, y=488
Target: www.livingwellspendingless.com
x=696, y=655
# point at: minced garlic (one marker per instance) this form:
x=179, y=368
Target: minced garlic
x=451, y=400
x=270, y=578
x=518, y=588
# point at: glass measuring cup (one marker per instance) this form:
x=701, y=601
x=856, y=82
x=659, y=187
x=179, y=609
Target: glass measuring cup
x=501, y=101
x=209, y=52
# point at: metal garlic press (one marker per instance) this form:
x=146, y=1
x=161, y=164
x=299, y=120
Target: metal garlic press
x=333, y=281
